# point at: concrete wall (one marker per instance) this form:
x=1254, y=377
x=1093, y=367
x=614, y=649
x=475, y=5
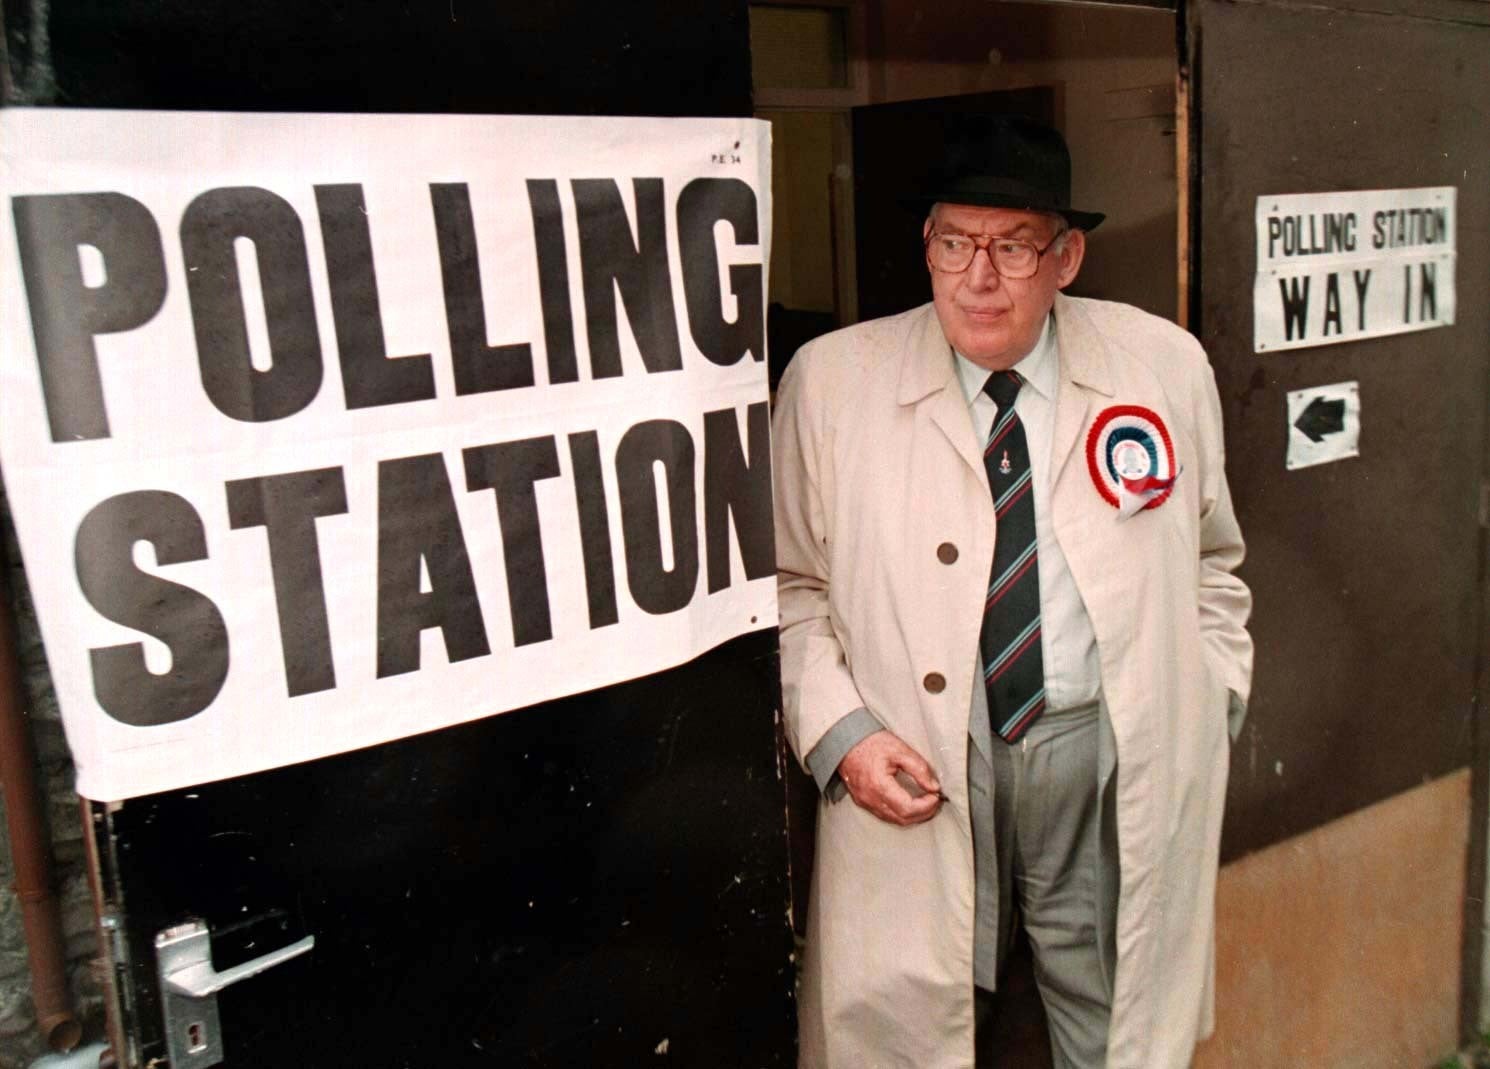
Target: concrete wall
x=19, y=1041
x=1341, y=946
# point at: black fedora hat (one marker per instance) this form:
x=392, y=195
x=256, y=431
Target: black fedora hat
x=1012, y=162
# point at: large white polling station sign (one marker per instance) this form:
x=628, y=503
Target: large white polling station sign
x=1335, y=267
x=324, y=430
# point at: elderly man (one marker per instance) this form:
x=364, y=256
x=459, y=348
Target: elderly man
x=1011, y=643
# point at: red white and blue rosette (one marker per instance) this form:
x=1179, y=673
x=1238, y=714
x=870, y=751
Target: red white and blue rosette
x=1131, y=458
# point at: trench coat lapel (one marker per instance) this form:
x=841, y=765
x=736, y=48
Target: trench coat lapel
x=1085, y=382
x=1085, y=376
x=928, y=375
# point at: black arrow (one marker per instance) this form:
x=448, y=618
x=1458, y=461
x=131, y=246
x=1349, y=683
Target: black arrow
x=1322, y=417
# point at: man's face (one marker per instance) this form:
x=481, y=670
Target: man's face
x=992, y=320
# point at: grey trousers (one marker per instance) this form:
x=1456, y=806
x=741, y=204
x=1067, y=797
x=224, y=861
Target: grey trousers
x=1045, y=819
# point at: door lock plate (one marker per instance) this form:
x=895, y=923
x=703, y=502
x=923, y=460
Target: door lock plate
x=193, y=1034
x=188, y=990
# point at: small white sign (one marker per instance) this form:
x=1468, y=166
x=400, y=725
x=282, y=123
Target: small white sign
x=1335, y=267
x=1324, y=424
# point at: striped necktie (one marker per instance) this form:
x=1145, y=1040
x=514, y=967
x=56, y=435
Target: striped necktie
x=1013, y=667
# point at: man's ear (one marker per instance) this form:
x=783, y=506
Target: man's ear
x=1073, y=251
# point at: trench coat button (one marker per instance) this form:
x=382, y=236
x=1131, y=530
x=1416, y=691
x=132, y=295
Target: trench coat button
x=934, y=682
x=946, y=553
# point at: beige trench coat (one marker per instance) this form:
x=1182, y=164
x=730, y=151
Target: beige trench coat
x=877, y=467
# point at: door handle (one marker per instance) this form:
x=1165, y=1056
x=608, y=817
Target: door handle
x=199, y=979
x=189, y=986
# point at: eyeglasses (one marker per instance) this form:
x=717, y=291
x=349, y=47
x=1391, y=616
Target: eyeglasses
x=1011, y=257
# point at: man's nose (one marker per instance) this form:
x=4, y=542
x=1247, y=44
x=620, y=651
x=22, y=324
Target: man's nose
x=981, y=273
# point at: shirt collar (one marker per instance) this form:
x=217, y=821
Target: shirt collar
x=1040, y=367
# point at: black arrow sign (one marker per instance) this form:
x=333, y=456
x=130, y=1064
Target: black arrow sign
x=1322, y=417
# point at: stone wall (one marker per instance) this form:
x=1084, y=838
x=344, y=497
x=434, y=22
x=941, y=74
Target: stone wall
x=19, y=1042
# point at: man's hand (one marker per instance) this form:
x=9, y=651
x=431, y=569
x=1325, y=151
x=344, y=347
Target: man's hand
x=869, y=771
